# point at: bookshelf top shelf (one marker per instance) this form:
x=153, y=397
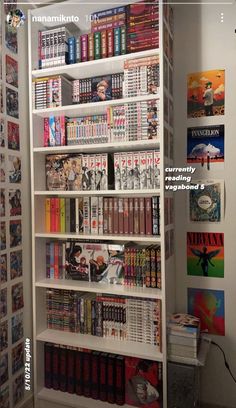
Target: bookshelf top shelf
x=93, y=68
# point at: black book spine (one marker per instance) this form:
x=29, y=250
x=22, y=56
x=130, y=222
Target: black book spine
x=72, y=215
x=79, y=373
x=103, y=376
x=48, y=365
x=120, y=380
x=87, y=374
x=95, y=375
x=111, y=378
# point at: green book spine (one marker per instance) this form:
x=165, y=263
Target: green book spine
x=97, y=45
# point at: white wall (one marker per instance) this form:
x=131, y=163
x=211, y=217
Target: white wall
x=202, y=43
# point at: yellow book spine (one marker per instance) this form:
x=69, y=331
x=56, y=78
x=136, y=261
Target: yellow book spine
x=47, y=215
x=62, y=215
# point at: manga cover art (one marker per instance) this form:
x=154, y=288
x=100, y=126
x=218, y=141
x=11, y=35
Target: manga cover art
x=13, y=136
x=15, y=233
x=18, y=389
x=77, y=261
x=2, y=168
x=15, y=202
x=205, y=145
x=206, y=93
x=17, y=358
x=17, y=297
x=11, y=38
x=11, y=71
x=64, y=172
x=17, y=328
x=2, y=133
x=4, y=397
x=101, y=88
x=15, y=264
x=2, y=236
x=107, y=263
x=209, y=306
x=2, y=203
x=12, y=103
x=3, y=336
x=205, y=254
x=207, y=204
x=3, y=302
x=14, y=169
x=3, y=268
x=3, y=369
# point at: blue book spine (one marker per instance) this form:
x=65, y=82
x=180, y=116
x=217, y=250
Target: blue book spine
x=72, y=50
x=109, y=12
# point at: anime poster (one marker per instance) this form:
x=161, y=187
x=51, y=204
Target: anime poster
x=3, y=369
x=18, y=389
x=2, y=203
x=11, y=71
x=205, y=254
x=4, y=397
x=17, y=328
x=143, y=383
x=10, y=6
x=2, y=133
x=2, y=168
x=15, y=233
x=206, y=93
x=2, y=236
x=1, y=100
x=15, y=264
x=17, y=297
x=205, y=146
x=206, y=204
x=208, y=305
x=3, y=303
x=15, y=202
x=12, y=103
x=11, y=38
x=17, y=358
x=14, y=169
x=13, y=136
x=101, y=88
x=3, y=336
x=3, y=268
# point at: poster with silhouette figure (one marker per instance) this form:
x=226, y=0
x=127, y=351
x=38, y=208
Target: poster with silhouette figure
x=206, y=93
x=205, y=254
x=205, y=147
x=209, y=306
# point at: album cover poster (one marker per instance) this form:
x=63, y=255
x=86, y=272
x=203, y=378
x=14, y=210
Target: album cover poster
x=3, y=268
x=15, y=233
x=3, y=302
x=17, y=297
x=3, y=368
x=2, y=133
x=14, y=169
x=17, y=358
x=18, y=389
x=2, y=236
x=15, y=202
x=209, y=306
x=207, y=204
x=13, y=136
x=3, y=336
x=2, y=203
x=11, y=38
x=206, y=93
x=15, y=264
x=17, y=328
x=12, y=103
x=101, y=88
x=11, y=71
x=205, y=254
x=4, y=397
x=2, y=168
x=205, y=146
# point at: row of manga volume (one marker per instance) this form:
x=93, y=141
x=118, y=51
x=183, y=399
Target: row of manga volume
x=102, y=376
x=129, y=264
x=51, y=92
x=141, y=76
x=107, y=316
x=103, y=215
x=128, y=122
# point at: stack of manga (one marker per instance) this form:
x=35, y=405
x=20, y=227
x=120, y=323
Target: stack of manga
x=51, y=92
x=141, y=120
x=87, y=129
x=53, y=47
x=137, y=170
x=141, y=76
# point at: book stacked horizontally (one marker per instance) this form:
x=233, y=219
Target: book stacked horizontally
x=183, y=335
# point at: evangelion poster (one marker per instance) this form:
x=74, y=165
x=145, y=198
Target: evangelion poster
x=205, y=146
x=206, y=93
x=205, y=254
x=209, y=306
x=206, y=203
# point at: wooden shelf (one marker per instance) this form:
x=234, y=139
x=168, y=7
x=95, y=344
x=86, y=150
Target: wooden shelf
x=121, y=238
x=87, y=341
x=113, y=193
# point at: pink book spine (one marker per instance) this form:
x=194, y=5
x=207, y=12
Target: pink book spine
x=46, y=132
x=84, y=47
x=63, y=130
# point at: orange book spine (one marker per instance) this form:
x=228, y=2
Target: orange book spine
x=47, y=215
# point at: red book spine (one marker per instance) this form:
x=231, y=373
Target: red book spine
x=104, y=46
x=56, y=260
x=120, y=380
x=84, y=47
x=71, y=371
x=95, y=375
x=131, y=216
x=111, y=378
x=53, y=214
x=63, y=369
x=57, y=215
x=48, y=365
x=103, y=376
x=148, y=215
x=141, y=216
x=115, y=214
x=110, y=215
x=105, y=215
x=110, y=42
x=136, y=216
x=87, y=374
x=55, y=368
x=79, y=373
x=121, y=215
x=46, y=132
x=126, y=215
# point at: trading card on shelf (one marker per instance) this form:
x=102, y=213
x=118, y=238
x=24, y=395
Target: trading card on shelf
x=17, y=358
x=3, y=268
x=17, y=297
x=4, y=368
x=15, y=202
x=15, y=264
x=14, y=163
x=13, y=136
x=15, y=230
x=17, y=327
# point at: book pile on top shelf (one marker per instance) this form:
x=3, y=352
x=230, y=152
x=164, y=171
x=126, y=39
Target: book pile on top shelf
x=183, y=336
x=103, y=376
x=114, y=32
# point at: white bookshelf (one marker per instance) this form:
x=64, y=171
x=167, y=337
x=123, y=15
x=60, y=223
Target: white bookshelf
x=49, y=398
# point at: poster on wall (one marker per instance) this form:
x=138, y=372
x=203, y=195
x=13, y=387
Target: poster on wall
x=2, y=236
x=2, y=168
x=17, y=297
x=3, y=336
x=15, y=233
x=205, y=146
x=2, y=133
x=206, y=93
x=3, y=369
x=11, y=71
x=3, y=303
x=208, y=305
x=3, y=268
x=13, y=136
x=15, y=264
x=18, y=389
x=17, y=358
x=12, y=103
x=15, y=202
x=4, y=397
x=2, y=203
x=10, y=6
x=17, y=328
x=11, y=38
x=14, y=169
x=206, y=204
x=1, y=100
x=205, y=254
